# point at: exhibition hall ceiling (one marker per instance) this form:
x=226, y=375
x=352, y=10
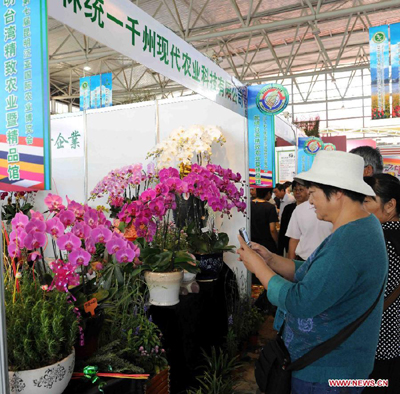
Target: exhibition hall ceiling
x=253, y=40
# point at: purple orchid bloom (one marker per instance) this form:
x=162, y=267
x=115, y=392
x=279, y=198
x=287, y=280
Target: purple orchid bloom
x=90, y=246
x=34, y=256
x=54, y=202
x=68, y=242
x=79, y=257
x=36, y=226
x=20, y=221
x=101, y=235
x=67, y=218
x=76, y=208
x=125, y=255
x=91, y=218
x=81, y=230
x=64, y=275
x=35, y=240
x=148, y=195
x=55, y=227
x=14, y=251
x=36, y=215
x=17, y=237
x=115, y=244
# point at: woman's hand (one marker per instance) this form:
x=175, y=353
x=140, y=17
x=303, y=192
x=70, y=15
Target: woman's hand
x=251, y=258
x=262, y=251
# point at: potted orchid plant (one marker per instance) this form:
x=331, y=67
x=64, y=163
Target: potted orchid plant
x=88, y=254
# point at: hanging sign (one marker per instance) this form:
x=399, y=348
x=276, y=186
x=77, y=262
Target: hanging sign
x=308, y=147
x=127, y=29
x=85, y=93
x=24, y=110
x=264, y=102
x=395, y=50
x=379, y=58
x=95, y=91
x=106, y=90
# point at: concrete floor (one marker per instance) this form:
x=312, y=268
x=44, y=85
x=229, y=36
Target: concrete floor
x=246, y=383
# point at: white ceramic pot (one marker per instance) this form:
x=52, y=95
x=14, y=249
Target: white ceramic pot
x=164, y=287
x=52, y=379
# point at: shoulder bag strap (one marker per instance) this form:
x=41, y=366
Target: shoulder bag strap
x=326, y=347
x=392, y=297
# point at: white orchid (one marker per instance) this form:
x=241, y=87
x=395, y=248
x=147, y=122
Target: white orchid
x=183, y=144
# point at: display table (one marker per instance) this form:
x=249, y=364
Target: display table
x=199, y=321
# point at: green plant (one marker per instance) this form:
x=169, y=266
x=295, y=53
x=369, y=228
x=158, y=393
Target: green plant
x=217, y=376
x=16, y=202
x=255, y=319
x=41, y=325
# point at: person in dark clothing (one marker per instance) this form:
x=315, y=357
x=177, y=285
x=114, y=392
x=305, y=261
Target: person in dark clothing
x=263, y=220
x=300, y=193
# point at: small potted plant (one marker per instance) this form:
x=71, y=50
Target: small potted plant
x=42, y=327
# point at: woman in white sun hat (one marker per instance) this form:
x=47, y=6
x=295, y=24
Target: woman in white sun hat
x=339, y=281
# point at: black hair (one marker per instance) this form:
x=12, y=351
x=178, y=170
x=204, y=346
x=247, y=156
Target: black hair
x=280, y=186
x=261, y=192
x=287, y=184
x=330, y=190
x=372, y=157
x=297, y=183
x=386, y=187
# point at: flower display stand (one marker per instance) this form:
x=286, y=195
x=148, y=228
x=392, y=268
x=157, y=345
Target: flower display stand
x=159, y=384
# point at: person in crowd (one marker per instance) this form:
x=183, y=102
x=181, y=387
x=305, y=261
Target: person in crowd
x=288, y=187
x=263, y=220
x=305, y=231
x=373, y=161
x=253, y=193
x=386, y=207
x=285, y=199
x=338, y=283
x=300, y=194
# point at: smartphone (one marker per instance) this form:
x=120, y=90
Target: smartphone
x=245, y=236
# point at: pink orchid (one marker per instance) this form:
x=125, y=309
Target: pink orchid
x=14, y=251
x=36, y=215
x=80, y=257
x=67, y=218
x=35, y=225
x=90, y=246
x=91, y=218
x=68, y=242
x=101, y=235
x=55, y=227
x=125, y=255
x=17, y=237
x=81, y=230
x=34, y=256
x=76, y=208
x=35, y=240
x=64, y=275
x=54, y=202
x=20, y=221
x=115, y=244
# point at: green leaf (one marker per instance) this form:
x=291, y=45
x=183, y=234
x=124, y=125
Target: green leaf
x=188, y=267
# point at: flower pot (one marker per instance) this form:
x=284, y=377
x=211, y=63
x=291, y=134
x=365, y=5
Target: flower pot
x=51, y=379
x=164, y=287
x=210, y=266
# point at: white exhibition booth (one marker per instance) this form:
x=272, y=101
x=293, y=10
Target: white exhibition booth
x=122, y=135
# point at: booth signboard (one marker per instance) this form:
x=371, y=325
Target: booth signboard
x=25, y=137
x=95, y=91
x=124, y=27
x=85, y=93
x=264, y=102
x=395, y=50
x=285, y=164
x=379, y=59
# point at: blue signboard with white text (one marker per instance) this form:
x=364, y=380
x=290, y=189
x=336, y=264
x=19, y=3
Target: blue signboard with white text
x=96, y=91
x=24, y=110
x=106, y=90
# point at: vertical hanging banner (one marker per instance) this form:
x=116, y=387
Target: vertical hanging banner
x=95, y=91
x=264, y=102
x=395, y=57
x=308, y=147
x=379, y=58
x=24, y=108
x=85, y=91
x=106, y=90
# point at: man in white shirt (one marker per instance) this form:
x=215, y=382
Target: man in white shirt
x=305, y=231
x=280, y=192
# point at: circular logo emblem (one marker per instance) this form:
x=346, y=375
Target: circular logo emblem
x=313, y=145
x=272, y=99
x=379, y=37
x=85, y=85
x=329, y=146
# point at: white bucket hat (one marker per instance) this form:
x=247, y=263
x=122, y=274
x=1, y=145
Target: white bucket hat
x=339, y=169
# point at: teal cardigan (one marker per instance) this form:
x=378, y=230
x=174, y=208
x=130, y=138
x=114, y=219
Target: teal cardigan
x=337, y=284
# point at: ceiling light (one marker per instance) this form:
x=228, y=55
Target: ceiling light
x=87, y=68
